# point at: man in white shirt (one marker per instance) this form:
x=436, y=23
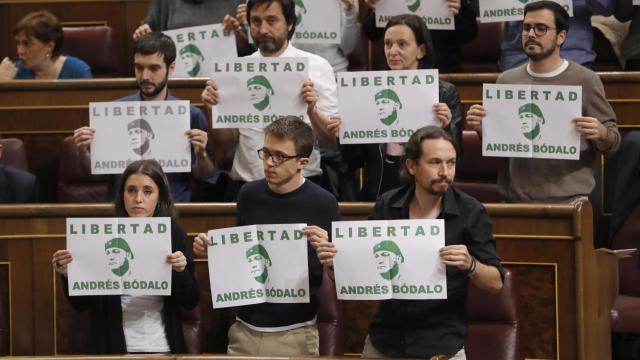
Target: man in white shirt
x=272, y=23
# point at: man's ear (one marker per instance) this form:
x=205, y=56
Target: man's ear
x=171, y=68
x=561, y=38
x=411, y=166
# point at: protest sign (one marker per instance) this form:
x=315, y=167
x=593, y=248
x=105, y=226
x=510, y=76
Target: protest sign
x=133, y=130
x=258, y=263
x=531, y=121
x=386, y=106
x=255, y=91
x=318, y=22
x=119, y=256
x=511, y=10
x=395, y=259
x=197, y=46
x=435, y=13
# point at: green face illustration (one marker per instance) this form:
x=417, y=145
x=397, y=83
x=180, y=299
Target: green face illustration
x=259, y=263
x=300, y=11
x=118, y=255
x=531, y=120
x=387, y=106
x=388, y=258
x=260, y=91
x=192, y=58
x=412, y=5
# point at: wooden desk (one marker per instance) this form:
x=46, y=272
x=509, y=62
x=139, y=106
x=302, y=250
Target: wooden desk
x=566, y=288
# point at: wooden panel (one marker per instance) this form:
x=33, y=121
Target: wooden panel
x=5, y=306
x=565, y=307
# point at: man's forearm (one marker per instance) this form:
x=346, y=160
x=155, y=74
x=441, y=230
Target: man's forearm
x=319, y=122
x=487, y=277
x=204, y=166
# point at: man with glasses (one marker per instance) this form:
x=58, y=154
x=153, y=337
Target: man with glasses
x=578, y=45
x=544, y=31
x=284, y=196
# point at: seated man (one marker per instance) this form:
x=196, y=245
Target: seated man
x=427, y=328
x=544, y=31
x=16, y=186
x=154, y=57
x=283, y=197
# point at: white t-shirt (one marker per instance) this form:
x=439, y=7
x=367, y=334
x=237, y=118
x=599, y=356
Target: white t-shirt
x=143, y=325
x=246, y=164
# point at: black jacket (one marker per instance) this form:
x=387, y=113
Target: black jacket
x=106, y=335
x=382, y=172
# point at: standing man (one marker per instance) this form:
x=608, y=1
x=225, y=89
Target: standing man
x=544, y=31
x=283, y=197
x=154, y=57
x=272, y=23
x=426, y=328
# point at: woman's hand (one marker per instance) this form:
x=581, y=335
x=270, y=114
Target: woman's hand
x=141, y=30
x=201, y=245
x=178, y=261
x=443, y=113
x=8, y=69
x=60, y=260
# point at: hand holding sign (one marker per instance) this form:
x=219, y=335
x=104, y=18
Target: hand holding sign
x=209, y=95
x=475, y=115
x=309, y=95
x=456, y=256
x=178, y=261
x=454, y=6
x=60, y=260
x=326, y=251
x=443, y=113
x=201, y=245
x=590, y=128
x=315, y=235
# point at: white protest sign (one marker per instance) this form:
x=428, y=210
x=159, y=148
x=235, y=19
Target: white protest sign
x=119, y=256
x=386, y=106
x=395, y=259
x=318, y=22
x=636, y=2
x=253, y=92
x=132, y=130
x=511, y=10
x=258, y=263
x=531, y=121
x=197, y=46
x=435, y=13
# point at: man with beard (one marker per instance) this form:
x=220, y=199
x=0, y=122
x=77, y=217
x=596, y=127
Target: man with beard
x=544, y=31
x=272, y=23
x=154, y=61
x=427, y=328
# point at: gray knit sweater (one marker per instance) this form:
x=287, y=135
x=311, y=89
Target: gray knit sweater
x=544, y=180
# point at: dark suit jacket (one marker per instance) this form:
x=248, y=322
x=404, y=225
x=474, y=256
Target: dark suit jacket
x=17, y=186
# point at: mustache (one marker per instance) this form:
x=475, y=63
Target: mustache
x=442, y=180
x=147, y=82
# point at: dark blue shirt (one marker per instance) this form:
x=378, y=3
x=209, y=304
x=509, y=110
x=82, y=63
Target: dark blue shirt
x=179, y=183
x=73, y=68
x=423, y=328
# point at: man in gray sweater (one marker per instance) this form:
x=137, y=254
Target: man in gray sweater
x=544, y=31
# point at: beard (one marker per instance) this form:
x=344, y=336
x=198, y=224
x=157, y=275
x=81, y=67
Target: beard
x=538, y=56
x=268, y=44
x=438, y=192
x=157, y=89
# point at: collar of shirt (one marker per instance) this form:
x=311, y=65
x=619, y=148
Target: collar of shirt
x=403, y=200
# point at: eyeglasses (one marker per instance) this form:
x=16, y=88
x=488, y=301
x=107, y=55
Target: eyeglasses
x=538, y=29
x=277, y=158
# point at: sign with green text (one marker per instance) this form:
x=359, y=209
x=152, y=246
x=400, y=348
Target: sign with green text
x=386, y=106
x=133, y=130
x=254, y=92
x=258, y=263
x=317, y=22
x=197, y=47
x=435, y=13
x=119, y=256
x=511, y=10
x=531, y=121
x=394, y=259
